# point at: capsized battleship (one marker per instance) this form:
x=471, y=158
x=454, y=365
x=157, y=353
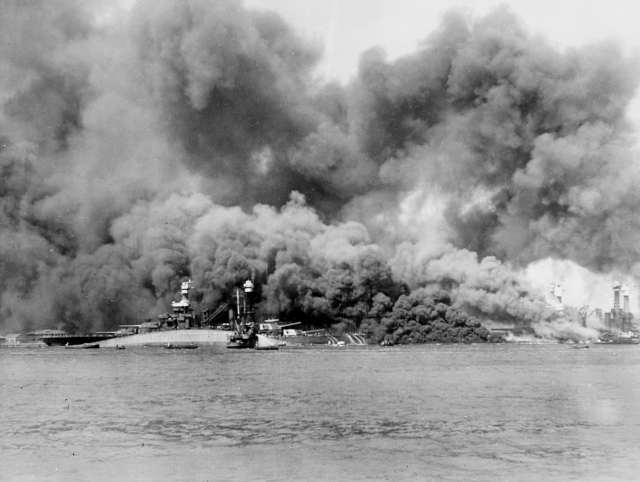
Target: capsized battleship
x=286, y=335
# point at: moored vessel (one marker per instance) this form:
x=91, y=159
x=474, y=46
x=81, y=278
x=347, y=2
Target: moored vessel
x=625, y=338
x=180, y=329
x=83, y=346
x=181, y=346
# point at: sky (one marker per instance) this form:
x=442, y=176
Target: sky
x=347, y=28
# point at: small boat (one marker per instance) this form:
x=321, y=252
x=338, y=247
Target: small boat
x=265, y=343
x=82, y=347
x=577, y=347
x=267, y=347
x=119, y=347
x=180, y=346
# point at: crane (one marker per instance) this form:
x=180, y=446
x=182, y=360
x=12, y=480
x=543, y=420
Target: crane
x=584, y=314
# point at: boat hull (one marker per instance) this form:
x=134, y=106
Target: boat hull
x=84, y=346
x=72, y=340
x=181, y=346
x=323, y=340
x=161, y=338
x=624, y=341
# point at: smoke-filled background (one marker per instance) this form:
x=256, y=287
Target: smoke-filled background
x=142, y=145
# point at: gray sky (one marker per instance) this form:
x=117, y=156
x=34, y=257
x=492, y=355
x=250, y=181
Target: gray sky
x=348, y=27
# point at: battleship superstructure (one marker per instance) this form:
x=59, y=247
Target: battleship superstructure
x=181, y=327
x=554, y=299
x=619, y=319
x=245, y=331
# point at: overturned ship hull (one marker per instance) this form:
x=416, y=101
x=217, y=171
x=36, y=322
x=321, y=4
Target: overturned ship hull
x=304, y=340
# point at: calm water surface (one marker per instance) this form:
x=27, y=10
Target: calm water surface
x=452, y=413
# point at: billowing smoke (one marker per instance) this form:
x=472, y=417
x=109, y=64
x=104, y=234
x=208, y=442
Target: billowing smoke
x=191, y=140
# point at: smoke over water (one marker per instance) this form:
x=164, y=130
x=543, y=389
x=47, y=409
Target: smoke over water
x=191, y=139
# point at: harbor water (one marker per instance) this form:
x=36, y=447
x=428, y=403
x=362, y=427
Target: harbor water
x=444, y=413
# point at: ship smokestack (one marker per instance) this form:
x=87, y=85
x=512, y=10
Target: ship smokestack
x=626, y=315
